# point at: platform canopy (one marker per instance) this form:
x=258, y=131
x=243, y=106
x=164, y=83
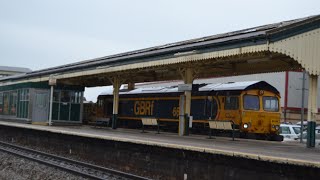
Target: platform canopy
x=288, y=45
x=8, y=71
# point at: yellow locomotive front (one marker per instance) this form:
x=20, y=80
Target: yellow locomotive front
x=260, y=113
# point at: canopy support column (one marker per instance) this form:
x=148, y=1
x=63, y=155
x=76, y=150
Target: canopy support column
x=116, y=87
x=52, y=83
x=312, y=110
x=51, y=104
x=188, y=76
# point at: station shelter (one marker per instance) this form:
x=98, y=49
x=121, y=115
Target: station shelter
x=29, y=103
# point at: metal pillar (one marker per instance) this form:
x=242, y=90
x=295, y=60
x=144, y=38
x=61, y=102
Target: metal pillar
x=312, y=110
x=51, y=102
x=188, y=79
x=188, y=76
x=302, y=103
x=116, y=86
x=182, y=117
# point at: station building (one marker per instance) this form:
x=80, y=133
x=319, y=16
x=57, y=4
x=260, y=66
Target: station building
x=28, y=102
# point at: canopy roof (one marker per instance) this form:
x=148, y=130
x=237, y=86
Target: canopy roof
x=230, y=86
x=8, y=70
x=288, y=45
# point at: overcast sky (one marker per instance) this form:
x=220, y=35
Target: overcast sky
x=38, y=34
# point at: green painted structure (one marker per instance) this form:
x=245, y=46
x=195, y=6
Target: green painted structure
x=29, y=102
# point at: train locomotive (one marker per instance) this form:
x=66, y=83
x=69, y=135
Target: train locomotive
x=253, y=106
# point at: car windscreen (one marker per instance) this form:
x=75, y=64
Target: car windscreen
x=251, y=102
x=270, y=103
x=297, y=130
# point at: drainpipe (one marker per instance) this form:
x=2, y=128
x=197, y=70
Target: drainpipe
x=302, y=103
x=286, y=96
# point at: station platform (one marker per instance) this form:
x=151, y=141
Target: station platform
x=278, y=152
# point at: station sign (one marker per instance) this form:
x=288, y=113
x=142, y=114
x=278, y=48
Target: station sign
x=185, y=87
x=52, y=81
x=188, y=87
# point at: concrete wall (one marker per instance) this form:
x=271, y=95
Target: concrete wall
x=295, y=90
x=155, y=162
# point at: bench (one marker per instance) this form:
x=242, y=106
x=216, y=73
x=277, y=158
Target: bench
x=102, y=122
x=221, y=125
x=150, y=122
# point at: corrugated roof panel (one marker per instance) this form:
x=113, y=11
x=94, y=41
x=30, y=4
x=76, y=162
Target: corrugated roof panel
x=234, y=86
x=209, y=87
x=14, y=69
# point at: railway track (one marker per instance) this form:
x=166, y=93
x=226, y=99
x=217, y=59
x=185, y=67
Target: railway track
x=76, y=167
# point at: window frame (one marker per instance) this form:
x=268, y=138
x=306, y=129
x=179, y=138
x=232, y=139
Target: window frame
x=244, y=107
x=285, y=127
x=231, y=107
x=269, y=110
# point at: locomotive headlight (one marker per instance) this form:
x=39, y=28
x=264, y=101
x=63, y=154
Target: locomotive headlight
x=276, y=127
x=245, y=125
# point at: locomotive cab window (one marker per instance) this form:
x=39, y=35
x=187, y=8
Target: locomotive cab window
x=231, y=103
x=251, y=102
x=212, y=108
x=270, y=103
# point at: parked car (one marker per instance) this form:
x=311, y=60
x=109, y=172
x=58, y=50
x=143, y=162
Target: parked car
x=304, y=137
x=305, y=125
x=289, y=131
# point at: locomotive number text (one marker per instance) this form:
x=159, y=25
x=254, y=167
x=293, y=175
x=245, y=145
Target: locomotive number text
x=175, y=112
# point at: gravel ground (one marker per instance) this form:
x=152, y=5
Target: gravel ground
x=17, y=168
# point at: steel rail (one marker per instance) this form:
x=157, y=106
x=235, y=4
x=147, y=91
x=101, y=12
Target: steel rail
x=70, y=165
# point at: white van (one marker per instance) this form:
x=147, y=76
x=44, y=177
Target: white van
x=289, y=131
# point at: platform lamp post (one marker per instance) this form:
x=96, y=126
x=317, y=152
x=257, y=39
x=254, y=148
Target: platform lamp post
x=52, y=83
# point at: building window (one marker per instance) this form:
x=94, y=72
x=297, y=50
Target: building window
x=65, y=96
x=76, y=97
x=23, y=105
x=5, y=103
x=13, y=102
x=24, y=95
x=1, y=103
x=8, y=103
x=56, y=96
x=1, y=98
